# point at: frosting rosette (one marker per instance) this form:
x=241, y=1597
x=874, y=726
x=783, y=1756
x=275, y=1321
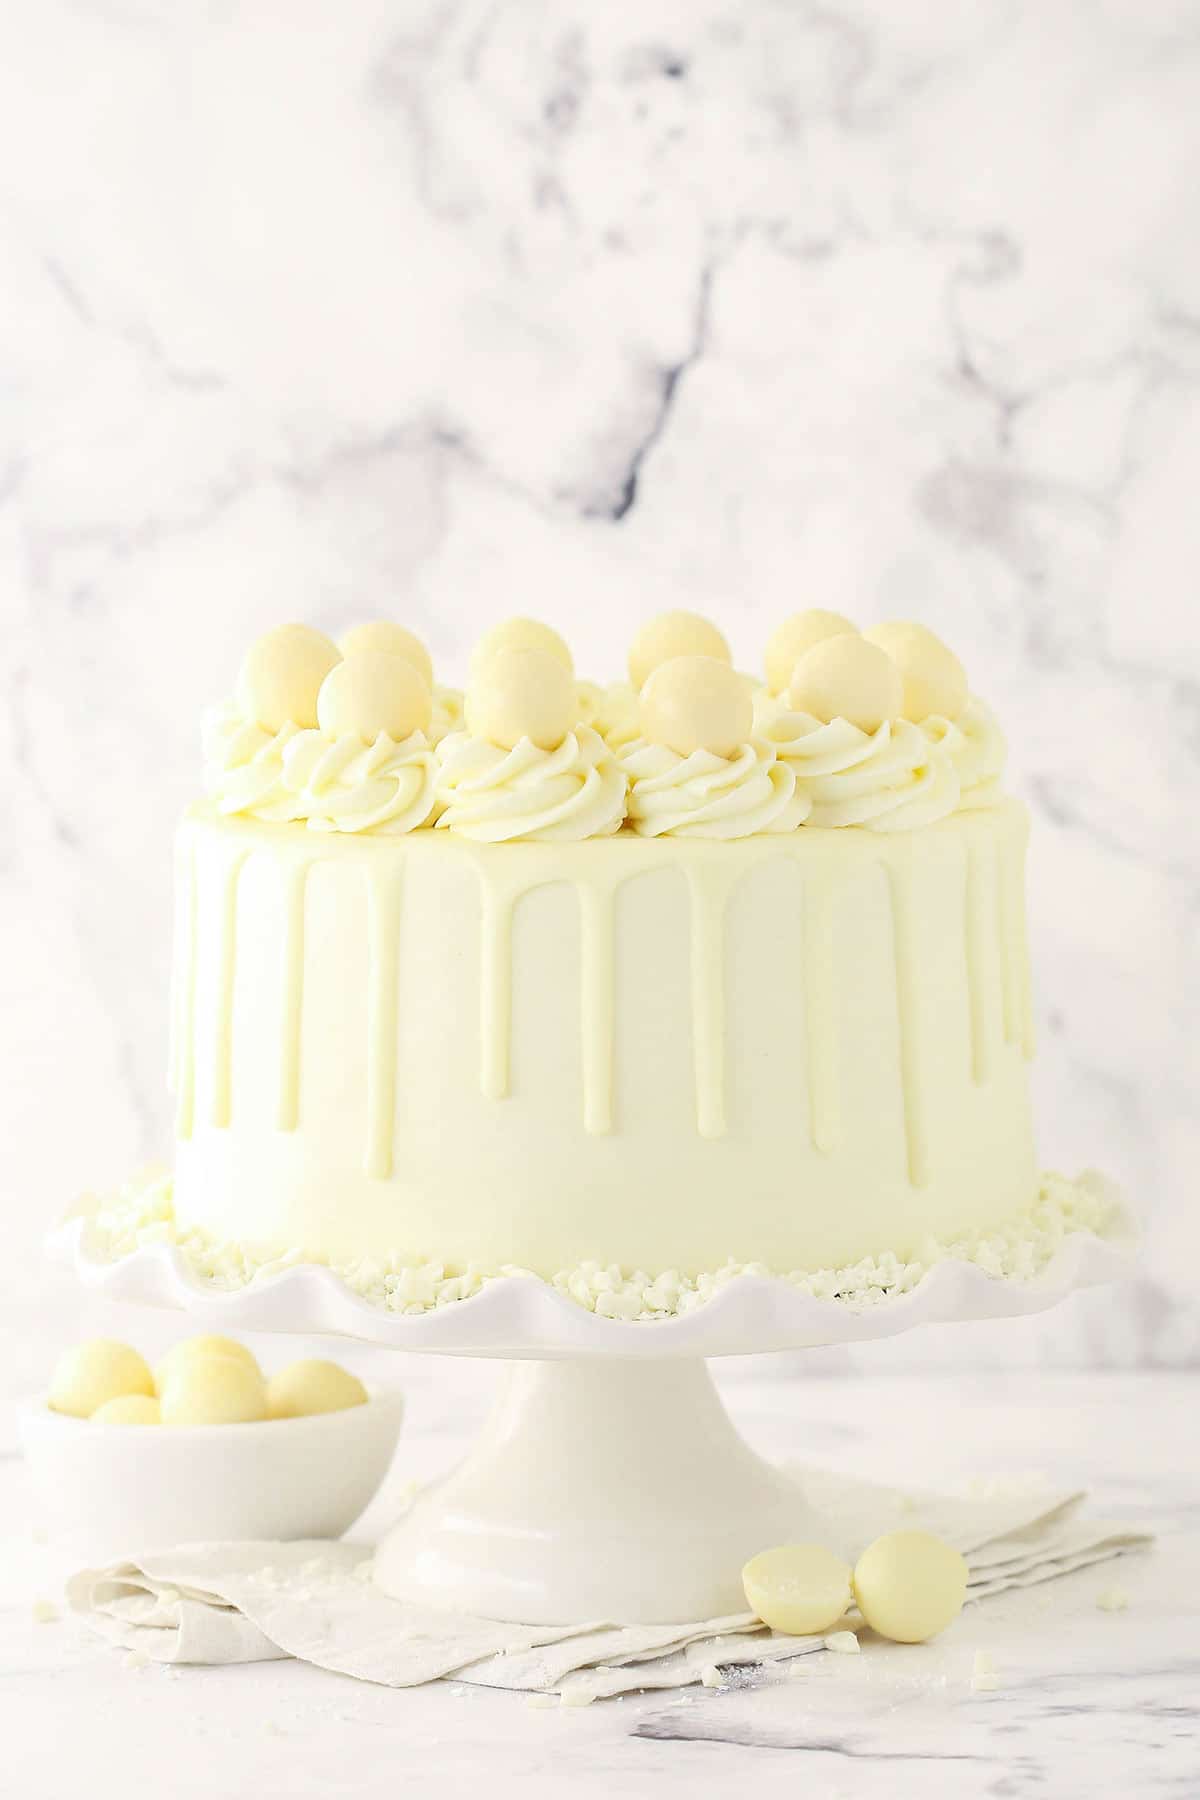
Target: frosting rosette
x=338, y=784
x=709, y=796
x=611, y=710
x=899, y=777
x=574, y=791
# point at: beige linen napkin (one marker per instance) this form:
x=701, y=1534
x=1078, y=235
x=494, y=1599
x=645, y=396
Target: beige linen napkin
x=230, y=1603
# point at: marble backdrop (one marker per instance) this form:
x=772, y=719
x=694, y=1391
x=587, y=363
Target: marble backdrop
x=456, y=308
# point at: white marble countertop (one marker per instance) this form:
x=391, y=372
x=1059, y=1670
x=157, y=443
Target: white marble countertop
x=1088, y=1701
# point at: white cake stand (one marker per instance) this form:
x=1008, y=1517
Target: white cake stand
x=609, y=1482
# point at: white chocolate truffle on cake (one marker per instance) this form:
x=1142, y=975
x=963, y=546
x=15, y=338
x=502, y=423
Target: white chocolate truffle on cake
x=281, y=676
x=798, y=1588
x=696, y=703
x=522, y=694
x=384, y=637
x=313, y=1386
x=213, y=1390
x=909, y=1585
x=845, y=677
x=88, y=1375
x=520, y=634
x=671, y=635
x=370, y=693
x=203, y=1344
x=129, y=1409
x=789, y=641
x=934, y=681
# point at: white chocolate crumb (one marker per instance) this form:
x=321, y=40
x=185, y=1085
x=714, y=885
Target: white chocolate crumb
x=576, y=1695
x=45, y=1612
x=1113, y=1599
x=984, y=1679
x=142, y=1214
x=40, y=1535
x=983, y=1663
x=136, y=1659
x=537, y=1702
x=845, y=1643
x=711, y=1676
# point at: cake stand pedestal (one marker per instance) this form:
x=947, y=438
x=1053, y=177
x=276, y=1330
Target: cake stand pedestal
x=609, y=1483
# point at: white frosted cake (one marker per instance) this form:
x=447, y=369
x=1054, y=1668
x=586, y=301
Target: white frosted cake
x=695, y=968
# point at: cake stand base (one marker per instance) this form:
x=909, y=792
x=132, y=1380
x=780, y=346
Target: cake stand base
x=600, y=1491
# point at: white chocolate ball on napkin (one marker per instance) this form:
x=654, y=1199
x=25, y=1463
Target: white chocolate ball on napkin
x=213, y=1390
x=88, y=1375
x=909, y=1585
x=935, y=682
x=371, y=693
x=129, y=1409
x=520, y=634
x=846, y=677
x=669, y=635
x=313, y=1386
x=696, y=703
x=797, y=1588
x=789, y=641
x=383, y=637
x=281, y=676
x=522, y=694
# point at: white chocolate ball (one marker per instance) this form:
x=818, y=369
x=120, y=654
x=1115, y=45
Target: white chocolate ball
x=313, y=1386
x=909, y=1585
x=383, y=637
x=368, y=694
x=788, y=642
x=670, y=635
x=129, y=1409
x=522, y=694
x=281, y=676
x=205, y=1344
x=935, y=682
x=696, y=703
x=89, y=1374
x=845, y=677
x=520, y=634
x=798, y=1588
x=213, y=1390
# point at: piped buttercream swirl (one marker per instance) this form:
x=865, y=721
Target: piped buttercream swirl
x=328, y=784
x=709, y=796
x=574, y=791
x=899, y=777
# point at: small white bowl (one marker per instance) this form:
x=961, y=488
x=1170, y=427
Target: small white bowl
x=119, y=1489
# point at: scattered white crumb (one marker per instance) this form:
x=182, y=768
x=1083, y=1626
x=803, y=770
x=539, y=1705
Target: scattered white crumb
x=40, y=1535
x=142, y=1214
x=984, y=1679
x=711, y=1676
x=983, y=1664
x=576, y=1695
x=844, y=1642
x=44, y=1612
x=135, y=1659
x=539, y=1701
x=1113, y=1599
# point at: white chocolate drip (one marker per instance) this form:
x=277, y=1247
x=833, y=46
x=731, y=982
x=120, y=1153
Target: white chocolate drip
x=994, y=947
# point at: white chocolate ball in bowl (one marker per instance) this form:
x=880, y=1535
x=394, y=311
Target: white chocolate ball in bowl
x=696, y=703
x=671, y=635
x=383, y=637
x=520, y=634
x=520, y=694
x=797, y=1588
x=213, y=1390
x=129, y=1409
x=372, y=693
x=789, y=641
x=845, y=677
x=281, y=676
x=909, y=1585
x=204, y=1344
x=934, y=681
x=90, y=1374
x=312, y=1386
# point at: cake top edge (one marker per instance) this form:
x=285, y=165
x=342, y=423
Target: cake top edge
x=871, y=730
